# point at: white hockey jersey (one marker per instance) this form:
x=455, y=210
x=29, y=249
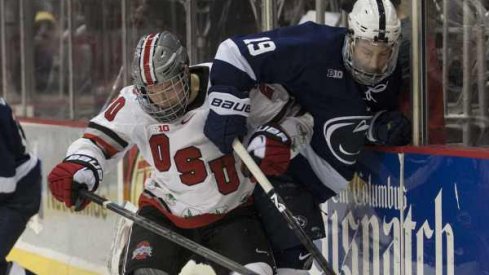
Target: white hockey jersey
x=192, y=182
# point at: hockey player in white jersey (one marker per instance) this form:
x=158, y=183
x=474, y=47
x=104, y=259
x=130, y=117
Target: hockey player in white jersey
x=194, y=190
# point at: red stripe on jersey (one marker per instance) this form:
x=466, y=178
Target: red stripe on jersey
x=108, y=149
x=148, y=45
x=190, y=222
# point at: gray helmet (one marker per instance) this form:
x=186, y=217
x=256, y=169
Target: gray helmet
x=161, y=77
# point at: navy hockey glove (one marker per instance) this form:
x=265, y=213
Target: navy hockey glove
x=390, y=128
x=229, y=109
x=270, y=147
x=75, y=172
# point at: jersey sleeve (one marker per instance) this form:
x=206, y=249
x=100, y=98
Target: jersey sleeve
x=272, y=103
x=268, y=103
x=7, y=169
x=109, y=135
x=276, y=56
x=16, y=161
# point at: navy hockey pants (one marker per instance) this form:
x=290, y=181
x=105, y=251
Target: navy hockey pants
x=288, y=250
x=16, y=209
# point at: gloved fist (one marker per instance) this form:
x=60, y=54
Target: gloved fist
x=270, y=147
x=390, y=128
x=226, y=121
x=75, y=172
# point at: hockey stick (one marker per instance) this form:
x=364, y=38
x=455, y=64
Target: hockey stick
x=166, y=233
x=280, y=205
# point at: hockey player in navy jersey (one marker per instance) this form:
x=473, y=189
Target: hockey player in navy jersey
x=20, y=186
x=345, y=79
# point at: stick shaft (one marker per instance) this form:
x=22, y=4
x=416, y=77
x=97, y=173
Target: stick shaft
x=280, y=205
x=168, y=234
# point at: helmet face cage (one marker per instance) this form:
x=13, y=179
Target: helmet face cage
x=374, y=22
x=166, y=101
x=359, y=72
x=161, y=76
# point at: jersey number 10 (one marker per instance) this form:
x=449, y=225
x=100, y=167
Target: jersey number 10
x=189, y=163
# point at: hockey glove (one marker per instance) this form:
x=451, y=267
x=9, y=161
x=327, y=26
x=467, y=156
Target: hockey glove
x=75, y=172
x=226, y=121
x=270, y=147
x=390, y=128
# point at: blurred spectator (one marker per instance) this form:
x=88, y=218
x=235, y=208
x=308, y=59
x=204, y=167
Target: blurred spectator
x=153, y=15
x=45, y=46
x=215, y=20
x=296, y=12
x=83, y=56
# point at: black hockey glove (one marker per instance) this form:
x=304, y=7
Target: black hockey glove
x=390, y=128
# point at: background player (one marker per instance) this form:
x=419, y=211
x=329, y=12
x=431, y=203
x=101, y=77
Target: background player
x=20, y=186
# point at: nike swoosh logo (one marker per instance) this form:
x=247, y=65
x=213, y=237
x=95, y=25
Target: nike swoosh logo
x=261, y=251
x=186, y=120
x=303, y=257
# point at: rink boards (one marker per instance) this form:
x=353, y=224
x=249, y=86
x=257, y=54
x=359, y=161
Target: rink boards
x=419, y=211
x=423, y=211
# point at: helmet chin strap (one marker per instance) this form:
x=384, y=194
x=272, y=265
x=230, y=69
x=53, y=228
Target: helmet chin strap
x=194, y=87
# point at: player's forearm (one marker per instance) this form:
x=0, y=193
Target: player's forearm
x=84, y=146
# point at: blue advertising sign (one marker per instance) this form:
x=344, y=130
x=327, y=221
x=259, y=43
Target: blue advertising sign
x=411, y=214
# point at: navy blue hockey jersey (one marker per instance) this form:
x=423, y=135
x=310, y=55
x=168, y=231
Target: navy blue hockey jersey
x=16, y=161
x=307, y=60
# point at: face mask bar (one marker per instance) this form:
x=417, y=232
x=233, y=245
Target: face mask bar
x=360, y=73
x=166, y=101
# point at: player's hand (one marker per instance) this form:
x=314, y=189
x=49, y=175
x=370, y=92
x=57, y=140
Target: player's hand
x=390, y=128
x=75, y=172
x=270, y=147
x=228, y=112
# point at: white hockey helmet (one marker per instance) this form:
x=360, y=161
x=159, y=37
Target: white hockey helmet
x=161, y=76
x=372, y=44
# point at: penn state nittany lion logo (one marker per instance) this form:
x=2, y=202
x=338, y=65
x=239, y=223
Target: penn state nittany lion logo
x=345, y=136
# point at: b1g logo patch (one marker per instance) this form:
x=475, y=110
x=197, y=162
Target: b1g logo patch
x=143, y=251
x=332, y=73
x=158, y=128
